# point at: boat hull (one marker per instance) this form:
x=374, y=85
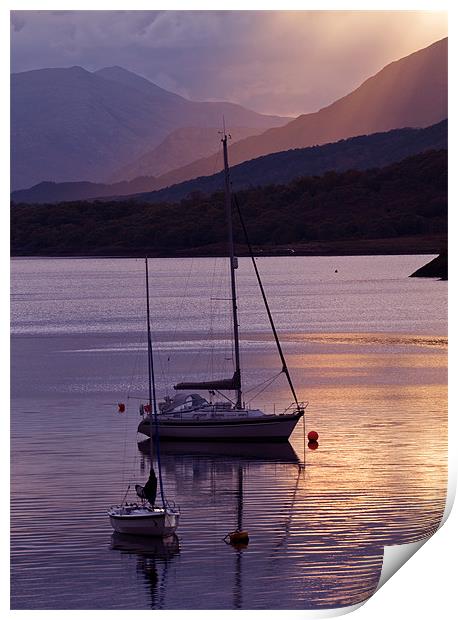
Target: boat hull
x=266, y=428
x=155, y=524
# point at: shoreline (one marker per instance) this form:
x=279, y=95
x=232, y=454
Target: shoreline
x=239, y=255
x=375, y=247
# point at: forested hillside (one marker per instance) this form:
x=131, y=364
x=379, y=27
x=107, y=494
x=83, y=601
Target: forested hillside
x=403, y=200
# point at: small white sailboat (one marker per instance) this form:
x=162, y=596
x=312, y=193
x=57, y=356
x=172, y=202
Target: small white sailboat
x=190, y=416
x=144, y=518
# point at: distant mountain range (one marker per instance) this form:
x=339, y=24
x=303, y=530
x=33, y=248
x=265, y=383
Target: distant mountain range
x=181, y=147
x=411, y=92
x=113, y=125
x=71, y=124
x=358, y=153
x=47, y=191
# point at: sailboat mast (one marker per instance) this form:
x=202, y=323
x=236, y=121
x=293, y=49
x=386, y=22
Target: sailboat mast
x=152, y=394
x=233, y=267
x=150, y=369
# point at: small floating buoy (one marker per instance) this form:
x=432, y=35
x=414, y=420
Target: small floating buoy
x=336, y=271
x=121, y=407
x=237, y=537
x=312, y=445
x=312, y=436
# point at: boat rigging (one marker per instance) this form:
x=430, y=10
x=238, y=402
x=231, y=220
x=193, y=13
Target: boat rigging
x=191, y=416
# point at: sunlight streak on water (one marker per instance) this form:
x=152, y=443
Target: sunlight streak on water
x=317, y=534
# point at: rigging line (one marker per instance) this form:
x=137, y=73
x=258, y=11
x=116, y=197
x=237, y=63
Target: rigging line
x=255, y=387
x=217, y=157
x=124, y=451
x=288, y=521
x=227, y=343
x=196, y=357
x=127, y=468
x=210, y=359
x=156, y=434
x=261, y=287
x=152, y=392
x=183, y=297
x=263, y=389
x=134, y=368
x=159, y=356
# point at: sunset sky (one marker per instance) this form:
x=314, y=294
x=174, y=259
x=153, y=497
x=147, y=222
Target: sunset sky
x=274, y=62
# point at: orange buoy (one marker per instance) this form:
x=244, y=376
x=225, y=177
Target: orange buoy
x=237, y=537
x=121, y=407
x=312, y=436
x=239, y=546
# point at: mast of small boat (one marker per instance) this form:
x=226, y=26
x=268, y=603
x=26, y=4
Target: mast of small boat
x=152, y=394
x=233, y=267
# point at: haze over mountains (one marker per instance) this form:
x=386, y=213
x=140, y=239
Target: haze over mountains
x=359, y=153
x=181, y=147
x=73, y=125
x=411, y=92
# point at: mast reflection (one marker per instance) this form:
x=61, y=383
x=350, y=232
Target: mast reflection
x=153, y=556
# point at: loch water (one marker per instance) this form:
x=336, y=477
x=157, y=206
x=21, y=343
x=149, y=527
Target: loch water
x=367, y=348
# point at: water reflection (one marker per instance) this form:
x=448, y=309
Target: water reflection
x=153, y=556
x=316, y=536
x=228, y=462
x=281, y=452
x=326, y=541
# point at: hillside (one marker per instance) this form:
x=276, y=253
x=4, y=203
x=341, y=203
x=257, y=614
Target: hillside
x=402, y=206
x=355, y=153
x=410, y=92
x=48, y=191
x=358, y=153
x=70, y=124
x=178, y=149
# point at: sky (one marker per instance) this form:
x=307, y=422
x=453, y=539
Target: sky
x=276, y=62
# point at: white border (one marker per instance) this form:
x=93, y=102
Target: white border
x=425, y=587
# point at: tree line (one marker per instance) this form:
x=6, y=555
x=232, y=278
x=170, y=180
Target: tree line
x=408, y=198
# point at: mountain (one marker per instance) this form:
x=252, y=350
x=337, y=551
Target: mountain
x=180, y=147
x=400, y=208
x=70, y=124
x=48, y=191
x=410, y=92
x=357, y=153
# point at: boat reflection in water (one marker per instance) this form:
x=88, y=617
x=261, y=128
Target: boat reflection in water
x=217, y=475
x=153, y=558
x=229, y=452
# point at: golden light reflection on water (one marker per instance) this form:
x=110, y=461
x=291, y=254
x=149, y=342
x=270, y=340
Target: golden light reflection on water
x=378, y=478
x=377, y=400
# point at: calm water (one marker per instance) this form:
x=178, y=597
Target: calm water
x=367, y=349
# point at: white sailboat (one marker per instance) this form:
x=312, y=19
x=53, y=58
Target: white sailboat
x=190, y=416
x=145, y=518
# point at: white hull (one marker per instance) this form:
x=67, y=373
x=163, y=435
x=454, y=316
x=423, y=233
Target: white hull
x=141, y=521
x=263, y=428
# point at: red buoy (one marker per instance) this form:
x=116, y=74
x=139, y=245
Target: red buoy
x=121, y=407
x=313, y=445
x=312, y=436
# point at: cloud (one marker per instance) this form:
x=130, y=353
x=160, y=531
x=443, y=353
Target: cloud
x=280, y=62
